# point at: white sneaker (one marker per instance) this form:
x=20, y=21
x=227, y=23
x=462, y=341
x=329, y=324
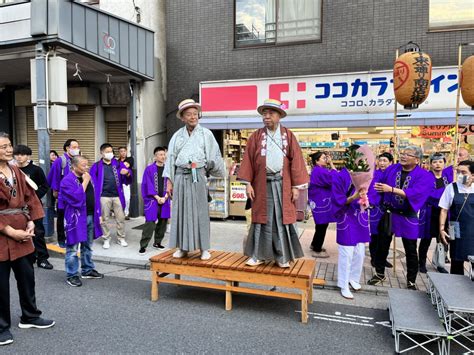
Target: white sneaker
x=179, y=254
x=287, y=264
x=122, y=243
x=106, y=244
x=347, y=294
x=254, y=262
x=205, y=255
x=355, y=285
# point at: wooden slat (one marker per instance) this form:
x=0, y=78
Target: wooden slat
x=239, y=262
x=212, y=261
x=308, y=269
x=199, y=262
x=159, y=257
x=267, y=268
x=228, y=262
x=223, y=260
x=191, y=256
x=294, y=270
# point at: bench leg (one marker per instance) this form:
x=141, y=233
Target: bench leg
x=154, y=286
x=228, y=297
x=310, y=293
x=304, y=307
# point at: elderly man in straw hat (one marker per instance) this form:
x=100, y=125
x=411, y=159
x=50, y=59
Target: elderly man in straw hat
x=274, y=168
x=192, y=154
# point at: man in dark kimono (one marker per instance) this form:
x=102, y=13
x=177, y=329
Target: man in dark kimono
x=19, y=207
x=82, y=221
x=156, y=202
x=60, y=168
x=405, y=187
x=274, y=169
x=22, y=155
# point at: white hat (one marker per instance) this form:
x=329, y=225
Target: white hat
x=185, y=104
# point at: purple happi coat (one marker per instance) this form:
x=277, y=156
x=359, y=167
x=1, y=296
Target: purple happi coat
x=352, y=222
x=150, y=189
x=97, y=174
x=418, y=186
x=375, y=200
x=433, y=201
x=75, y=212
x=56, y=174
x=319, y=194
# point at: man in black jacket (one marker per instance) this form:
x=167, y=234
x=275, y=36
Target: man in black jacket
x=22, y=155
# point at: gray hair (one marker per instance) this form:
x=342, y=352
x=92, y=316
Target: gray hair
x=75, y=160
x=4, y=135
x=417, y=150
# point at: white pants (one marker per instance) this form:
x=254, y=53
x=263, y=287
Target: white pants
x=350, y=263
x=126, y=193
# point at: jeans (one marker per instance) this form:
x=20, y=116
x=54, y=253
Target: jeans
x=72, y=261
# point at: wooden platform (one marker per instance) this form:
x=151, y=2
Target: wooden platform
x=230, y=268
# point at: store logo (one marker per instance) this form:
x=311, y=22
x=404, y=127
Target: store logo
x=109, y=43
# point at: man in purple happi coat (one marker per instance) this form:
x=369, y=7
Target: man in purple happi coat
x=405, y=187
x=319, y=199
x=429, y=214
x=108, y=175
x=375, y=200
x=156, y=203
x=352, y=232
x=82, y=221
x=60, y=168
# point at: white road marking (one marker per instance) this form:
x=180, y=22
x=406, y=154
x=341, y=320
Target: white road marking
x=362, y=317
x=343, y=321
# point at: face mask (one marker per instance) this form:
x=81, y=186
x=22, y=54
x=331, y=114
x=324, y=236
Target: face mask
x=462, y=179
x=108, y=156
x=74, y=152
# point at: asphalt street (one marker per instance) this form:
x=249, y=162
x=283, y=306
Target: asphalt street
x=115, y=315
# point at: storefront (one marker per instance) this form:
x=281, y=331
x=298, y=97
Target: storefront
x=329, y=112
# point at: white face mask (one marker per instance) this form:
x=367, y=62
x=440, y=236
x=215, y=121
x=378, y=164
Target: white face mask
x=74, y=152
x=462, y=179
x=108, y=156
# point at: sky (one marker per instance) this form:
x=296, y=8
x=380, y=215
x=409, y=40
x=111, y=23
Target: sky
x=252, y=12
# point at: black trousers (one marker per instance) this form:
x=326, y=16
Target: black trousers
x=383, y=248
x=457, y=266
x=319, y=235
x=60, y=227
x=374, y=241
x=25, y=279
x=41, y=252
x=423, y=249
x=159, y=228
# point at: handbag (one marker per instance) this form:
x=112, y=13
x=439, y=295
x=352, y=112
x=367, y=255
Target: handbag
x=439, y=256
x=454, y=229
x=385, y=224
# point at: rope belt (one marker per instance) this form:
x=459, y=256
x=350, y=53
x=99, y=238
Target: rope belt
x=13, y=211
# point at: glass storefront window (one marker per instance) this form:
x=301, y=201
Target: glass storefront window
x=269, y=22
x=448, y=15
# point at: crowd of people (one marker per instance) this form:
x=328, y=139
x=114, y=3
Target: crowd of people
x=403, y=199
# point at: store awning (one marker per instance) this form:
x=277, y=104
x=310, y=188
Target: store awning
x=99, y=46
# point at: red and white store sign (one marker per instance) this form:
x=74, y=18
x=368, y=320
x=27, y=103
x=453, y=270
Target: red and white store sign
x=363, y=92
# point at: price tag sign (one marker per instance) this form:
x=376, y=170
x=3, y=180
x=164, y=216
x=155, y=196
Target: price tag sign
x=237, y=192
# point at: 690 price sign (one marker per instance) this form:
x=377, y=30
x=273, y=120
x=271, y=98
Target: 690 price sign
x=237, y=192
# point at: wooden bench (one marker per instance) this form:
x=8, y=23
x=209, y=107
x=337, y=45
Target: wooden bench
x=230, y=268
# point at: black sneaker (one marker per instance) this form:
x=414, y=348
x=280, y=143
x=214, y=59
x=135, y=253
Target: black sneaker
x=38, y=323
x=93, y=274
x=45, y=264
x=6, y=337
x=376, y=280
x=423, y=269
x=158, y=246
x=411, y=286
x=74, y=281
x=142, y=251
x=388, y=264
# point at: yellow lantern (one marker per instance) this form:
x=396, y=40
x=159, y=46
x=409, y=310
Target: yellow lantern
x=467, y=81
x=412, y=79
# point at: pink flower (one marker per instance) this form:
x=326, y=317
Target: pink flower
x=283, y=107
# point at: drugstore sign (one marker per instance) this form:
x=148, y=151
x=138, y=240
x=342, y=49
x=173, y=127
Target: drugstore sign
x=363, y=92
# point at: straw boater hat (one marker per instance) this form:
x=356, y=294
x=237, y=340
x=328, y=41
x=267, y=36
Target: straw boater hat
x=185, y=104
x=273, y=105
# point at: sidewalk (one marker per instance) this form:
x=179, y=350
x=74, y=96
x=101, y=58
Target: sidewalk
x=228, y=235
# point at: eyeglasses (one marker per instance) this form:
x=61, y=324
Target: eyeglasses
x=6, y=146
x=408, y=155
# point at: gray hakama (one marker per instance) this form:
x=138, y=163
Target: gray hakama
x=274, y=240
x=190, y=226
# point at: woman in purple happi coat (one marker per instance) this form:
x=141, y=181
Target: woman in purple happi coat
x=406, y=187
x=319, y=199
x=156, y=202
x=375, y=200
x=109, y=175
x=352, y=232
x=429, y=214
x=81, y=221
